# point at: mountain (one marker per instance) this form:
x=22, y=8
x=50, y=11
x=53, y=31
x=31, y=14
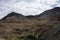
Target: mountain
x=17, y=16
x=16, y=26
x=14, y=15
x=52, y=14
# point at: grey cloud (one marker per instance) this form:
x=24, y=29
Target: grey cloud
x=28, y=1
x=7, y=6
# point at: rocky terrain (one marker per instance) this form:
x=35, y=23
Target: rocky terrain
x=45, y=26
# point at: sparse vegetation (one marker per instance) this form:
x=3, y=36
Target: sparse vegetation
x=24, y=30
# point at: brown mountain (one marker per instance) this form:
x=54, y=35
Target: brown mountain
x=15, y=26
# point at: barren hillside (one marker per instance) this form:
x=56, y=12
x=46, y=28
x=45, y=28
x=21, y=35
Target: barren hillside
x=18, y=27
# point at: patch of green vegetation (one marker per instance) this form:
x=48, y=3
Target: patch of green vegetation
x=29, y=37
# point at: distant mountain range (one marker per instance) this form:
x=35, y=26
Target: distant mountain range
x=52, y=14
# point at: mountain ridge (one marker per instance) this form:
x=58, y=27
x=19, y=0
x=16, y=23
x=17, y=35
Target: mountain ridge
x=51, y=14
x=48, y=14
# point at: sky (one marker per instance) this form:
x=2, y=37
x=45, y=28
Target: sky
x=26, y=7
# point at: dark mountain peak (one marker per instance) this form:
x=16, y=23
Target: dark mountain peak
x=56, y=8
x=13, y=15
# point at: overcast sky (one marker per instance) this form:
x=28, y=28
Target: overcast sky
x=26, y=7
